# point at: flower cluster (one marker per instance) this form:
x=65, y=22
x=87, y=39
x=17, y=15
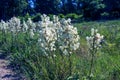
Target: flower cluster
x=59, y=32
x=14, y=25
x=94, y=41
x=68, y=37
x=3, y=26
x=53, y=34
x=47, y=34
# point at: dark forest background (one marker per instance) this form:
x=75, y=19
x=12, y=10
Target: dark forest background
x=75, y=9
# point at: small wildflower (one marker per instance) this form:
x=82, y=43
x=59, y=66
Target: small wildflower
x=95, y=39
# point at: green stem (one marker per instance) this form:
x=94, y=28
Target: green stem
x=70, y=65
x=91, y=66
x=93, y=51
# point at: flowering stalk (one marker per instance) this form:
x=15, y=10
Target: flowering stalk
x=70, y=65
x=93, y=52
x=14, y=28
x=3, y=28
x=58, y=35
x=94, y=43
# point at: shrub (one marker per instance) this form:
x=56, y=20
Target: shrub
x=61, y=16
x=72, y=16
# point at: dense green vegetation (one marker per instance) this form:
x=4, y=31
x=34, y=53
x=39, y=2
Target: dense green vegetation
x=89, y=9
x=26, y=55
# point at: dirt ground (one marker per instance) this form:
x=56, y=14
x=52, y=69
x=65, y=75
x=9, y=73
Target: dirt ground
x=6, y=72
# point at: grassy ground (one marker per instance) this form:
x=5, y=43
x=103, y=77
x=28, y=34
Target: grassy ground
x=107, y=64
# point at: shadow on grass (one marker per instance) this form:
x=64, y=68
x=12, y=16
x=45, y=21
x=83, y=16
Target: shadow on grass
x=3, y=55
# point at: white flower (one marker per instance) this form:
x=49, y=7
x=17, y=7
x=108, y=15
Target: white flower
x=53, y=34
x=95, y=39
x=14, y=25
x=92, y=31
x=25, y=26
x=31, y=24
x=60, y=32
x=4, y=26
x=97, y=35
x=65, y=52
x=68, y=37
x=31, y=33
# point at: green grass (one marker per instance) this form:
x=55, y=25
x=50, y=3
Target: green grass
x=107, y=64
